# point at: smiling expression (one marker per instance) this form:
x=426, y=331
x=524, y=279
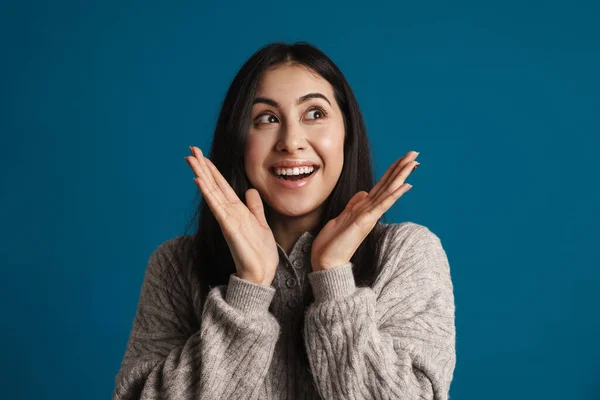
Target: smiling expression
x=295, y=117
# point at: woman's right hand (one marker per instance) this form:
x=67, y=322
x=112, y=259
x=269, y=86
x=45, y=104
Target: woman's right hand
x=245, y=229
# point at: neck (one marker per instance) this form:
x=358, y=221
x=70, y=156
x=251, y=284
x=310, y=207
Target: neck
x=287, y=229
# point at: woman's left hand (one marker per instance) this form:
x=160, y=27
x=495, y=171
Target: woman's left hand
x=339, y=239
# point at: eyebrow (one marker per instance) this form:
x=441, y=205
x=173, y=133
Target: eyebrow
x=300, y=100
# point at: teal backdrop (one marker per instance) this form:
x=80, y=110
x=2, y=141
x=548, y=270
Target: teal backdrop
x=100, y=101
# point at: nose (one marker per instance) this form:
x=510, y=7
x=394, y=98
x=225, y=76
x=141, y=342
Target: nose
x=292, y=138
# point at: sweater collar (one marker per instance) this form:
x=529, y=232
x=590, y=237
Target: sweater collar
x=302, y=246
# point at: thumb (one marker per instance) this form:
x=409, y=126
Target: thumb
x=359, y=196
x=255, y=205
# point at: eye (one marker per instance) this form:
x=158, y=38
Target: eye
x=270, y=118
x=317, y=113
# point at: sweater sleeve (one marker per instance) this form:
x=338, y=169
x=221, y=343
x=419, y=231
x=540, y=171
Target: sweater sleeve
x=396, y=341
x=227, y=358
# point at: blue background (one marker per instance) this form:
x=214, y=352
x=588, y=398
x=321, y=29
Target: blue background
x=100, y=101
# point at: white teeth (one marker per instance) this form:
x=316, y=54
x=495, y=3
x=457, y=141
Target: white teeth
x=294, y=171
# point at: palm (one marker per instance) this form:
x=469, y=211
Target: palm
x=253, y=242
x=343, y=234
x=245, y=228
x=340, y=238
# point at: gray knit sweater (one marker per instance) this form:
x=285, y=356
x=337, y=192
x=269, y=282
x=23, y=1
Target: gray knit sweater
x=392, y=340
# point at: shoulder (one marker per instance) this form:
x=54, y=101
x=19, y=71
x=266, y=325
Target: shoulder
x=405, y=236
x=170, y=257
x=170, y=246
x=408, y=249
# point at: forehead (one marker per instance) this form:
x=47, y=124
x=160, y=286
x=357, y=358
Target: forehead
x=286, y=83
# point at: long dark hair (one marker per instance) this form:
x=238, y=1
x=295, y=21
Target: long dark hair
x=207, y=249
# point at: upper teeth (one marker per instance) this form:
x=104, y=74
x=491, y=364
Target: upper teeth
x=294, y=171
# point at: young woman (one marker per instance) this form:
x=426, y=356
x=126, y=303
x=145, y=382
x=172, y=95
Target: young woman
x=292, y=287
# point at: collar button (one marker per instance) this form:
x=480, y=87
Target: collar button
x=290, y=282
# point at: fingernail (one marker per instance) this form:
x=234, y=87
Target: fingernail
x=191, y=150
x=416, y=166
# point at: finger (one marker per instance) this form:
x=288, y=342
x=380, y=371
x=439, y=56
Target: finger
x=201, y=163
x=394, y=180
x=196, y=151
x=213, y=197
x=201, y=170
x=255, y=205
x=394, y=190
x=226, y=188
x=402, y=175
x=391, y=171
x=387, y=173
x=192, y=162
x=204, y=175
x=385, y=205
x=212, y=193
x=358, y=197
x=198, y=163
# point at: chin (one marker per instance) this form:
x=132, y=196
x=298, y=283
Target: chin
x=293, y=211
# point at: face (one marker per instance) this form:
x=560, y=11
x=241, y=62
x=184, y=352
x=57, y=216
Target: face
x=288, y=125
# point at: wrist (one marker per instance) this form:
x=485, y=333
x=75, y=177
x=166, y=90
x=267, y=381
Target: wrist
x=248, y=296
x=256, y=281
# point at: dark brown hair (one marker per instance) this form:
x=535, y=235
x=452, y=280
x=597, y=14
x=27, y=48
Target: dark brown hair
x=207, y=248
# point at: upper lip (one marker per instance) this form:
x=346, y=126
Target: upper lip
x=294, y=164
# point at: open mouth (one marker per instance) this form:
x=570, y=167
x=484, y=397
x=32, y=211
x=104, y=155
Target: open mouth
x=298, y=177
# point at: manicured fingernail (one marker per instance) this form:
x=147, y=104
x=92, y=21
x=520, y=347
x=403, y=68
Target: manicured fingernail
x=191, y=150
x=416, y=166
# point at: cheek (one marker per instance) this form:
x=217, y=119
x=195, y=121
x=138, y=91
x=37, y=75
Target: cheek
x=330, y=145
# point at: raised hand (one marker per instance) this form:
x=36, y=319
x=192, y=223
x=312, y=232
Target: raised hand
x=339, y=239
x=245, y=229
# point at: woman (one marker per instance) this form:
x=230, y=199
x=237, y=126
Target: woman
x=293, y=287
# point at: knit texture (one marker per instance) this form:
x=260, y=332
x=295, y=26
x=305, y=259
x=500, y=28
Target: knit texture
x=392, y=340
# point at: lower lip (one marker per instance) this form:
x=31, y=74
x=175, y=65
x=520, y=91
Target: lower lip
x=294, y=184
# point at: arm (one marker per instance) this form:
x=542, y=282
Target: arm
x=395, y=342
x=227, y=358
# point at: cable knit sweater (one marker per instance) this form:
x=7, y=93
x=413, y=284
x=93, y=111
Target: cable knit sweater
x=392, y=340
